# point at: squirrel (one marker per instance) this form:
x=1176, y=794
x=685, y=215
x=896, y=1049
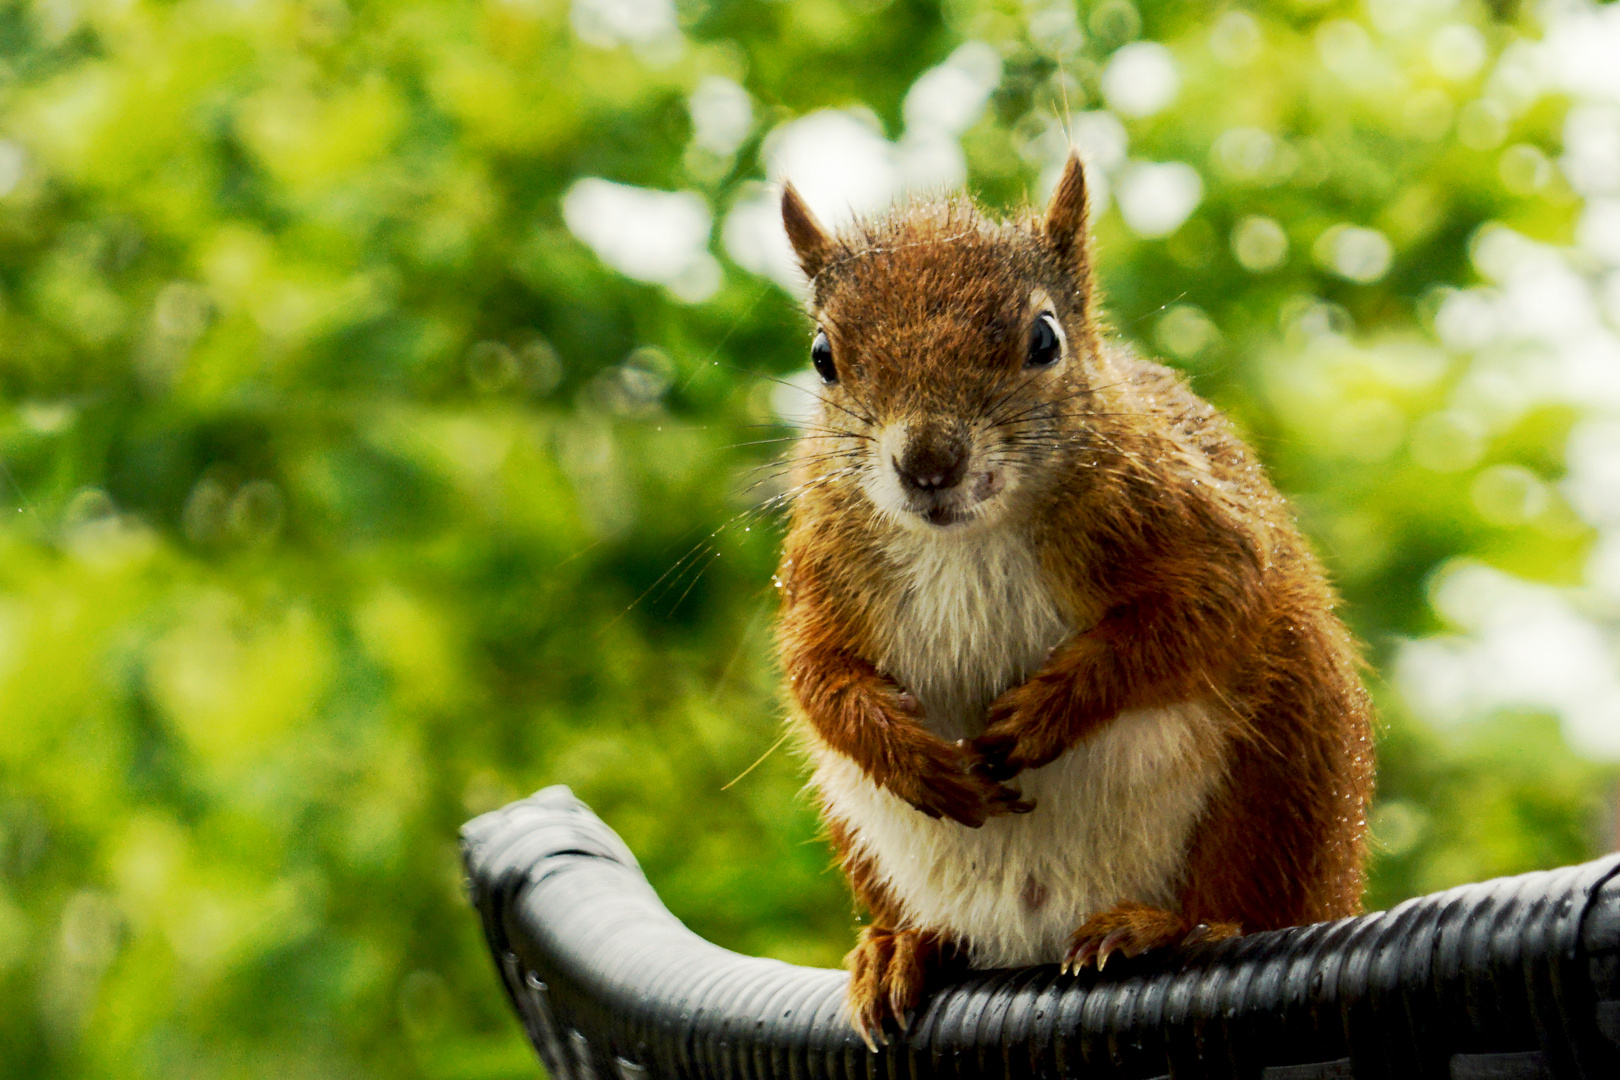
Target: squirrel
x=1070, y=679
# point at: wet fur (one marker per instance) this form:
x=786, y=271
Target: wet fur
x=1131, y=632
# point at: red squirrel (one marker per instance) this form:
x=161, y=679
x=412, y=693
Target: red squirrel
x=1070, y=679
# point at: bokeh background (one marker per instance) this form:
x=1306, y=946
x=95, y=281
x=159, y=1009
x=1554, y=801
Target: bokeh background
x=384, y=390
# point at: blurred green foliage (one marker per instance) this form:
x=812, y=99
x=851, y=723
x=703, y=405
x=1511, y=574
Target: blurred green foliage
x=349, y=495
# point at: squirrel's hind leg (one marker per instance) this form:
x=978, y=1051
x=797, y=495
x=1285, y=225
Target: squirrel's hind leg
x=889, y=973
x=1133, y=929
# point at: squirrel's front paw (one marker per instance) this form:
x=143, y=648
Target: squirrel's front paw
x=943, y=781
x=1018, y=733
x=939, y=779
x=888, y=974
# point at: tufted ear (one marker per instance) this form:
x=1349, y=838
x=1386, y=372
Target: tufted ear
x=1067, y=228
x=811, y=243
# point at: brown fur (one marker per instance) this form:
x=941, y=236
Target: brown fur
x=1153, y=524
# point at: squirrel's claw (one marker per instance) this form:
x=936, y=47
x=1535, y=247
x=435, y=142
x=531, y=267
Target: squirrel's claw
x=1008, y=800
x=1118, y=941
x=867, y=962
x=1199, y=934
x=1079, y=956
x=889, y=971
x=1133, y=929
x=1204, y=933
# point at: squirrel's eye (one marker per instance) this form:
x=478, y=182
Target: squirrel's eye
x=821, y=357
x=1045, y=347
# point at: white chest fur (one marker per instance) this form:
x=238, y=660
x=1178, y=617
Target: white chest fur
x=972, y=617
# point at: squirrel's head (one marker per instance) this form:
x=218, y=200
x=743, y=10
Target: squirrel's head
x=957, y=354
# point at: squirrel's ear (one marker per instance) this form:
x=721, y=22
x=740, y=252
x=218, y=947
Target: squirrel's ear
x=810, y=241
x=1067, y=229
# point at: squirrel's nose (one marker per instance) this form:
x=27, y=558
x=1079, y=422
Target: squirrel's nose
x=929, y=465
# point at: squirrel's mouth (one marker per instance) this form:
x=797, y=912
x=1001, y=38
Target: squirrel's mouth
x=933, y=480
x=959, y=504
